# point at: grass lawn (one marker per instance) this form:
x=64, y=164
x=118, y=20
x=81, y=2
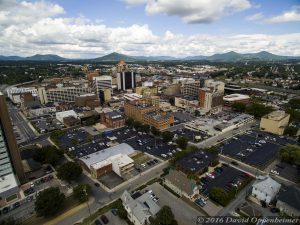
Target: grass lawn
x=140, y=158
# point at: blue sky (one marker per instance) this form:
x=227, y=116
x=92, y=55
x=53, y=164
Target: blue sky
x=148, y=27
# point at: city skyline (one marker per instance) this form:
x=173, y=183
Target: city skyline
x=139, y=27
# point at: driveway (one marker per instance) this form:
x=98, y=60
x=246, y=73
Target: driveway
x=184, y=214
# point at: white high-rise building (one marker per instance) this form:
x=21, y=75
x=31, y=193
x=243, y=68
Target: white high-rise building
x=102, y=82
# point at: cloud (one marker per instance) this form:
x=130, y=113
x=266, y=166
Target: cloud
x=255, y=17
x=193, y=11
x=80, y=37
x=293, y=15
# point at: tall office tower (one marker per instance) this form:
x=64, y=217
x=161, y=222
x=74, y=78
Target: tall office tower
x=190, y=88
x=104, y=95
x=102, y=82
x=10, y=158
x=126, y=80
x=210, y=100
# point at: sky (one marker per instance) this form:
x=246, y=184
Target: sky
x=180, y=28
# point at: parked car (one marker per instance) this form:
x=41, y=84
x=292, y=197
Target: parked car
x=97, y=222
x=275, y=210
x=114, y=212
x=97, y=184
x=104, y=219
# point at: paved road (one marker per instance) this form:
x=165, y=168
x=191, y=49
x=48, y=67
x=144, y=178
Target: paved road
x=221, y=137
x=21, y=123
x=102, y=197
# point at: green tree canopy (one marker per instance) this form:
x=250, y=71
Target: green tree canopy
x=291, y=131
x=81, y=192
x=197, y=113
x=155, y=131
x=49, y=202
x=238, y=107
x=69, y=171
x=182, y=142
x=48, y=154
x=167, y=136
x=164, y=216
x=258, y=110
x=129, y=122
x=294, y=103
x=290, y=154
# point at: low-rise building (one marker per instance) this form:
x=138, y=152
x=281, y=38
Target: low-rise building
x=265, y=189
x=87, y=100
x=114, y=159
x=288, y=201
x=61, y=115
x=139, y=207
x=196, y=163
x=275, y=122
x=113, y=119
x=229, y=100
x=180, y=184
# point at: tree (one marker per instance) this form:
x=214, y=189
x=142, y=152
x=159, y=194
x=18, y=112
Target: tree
x=137, y=125
x=290, y=154
x=48, y=154
x=294, y=103
x=258, y=110
x=69, y=171
x=197, y=113
x=220, y=196
x=164, y=216
x=167, y=136
x=49, y=202
x=182, y=142
x=81, y=192
x=56, y=135
x=129, y=122
x=238, y=107
x=155, y=131
x=91, y=121
x=291, y=131
x=145, y=128
x=122, y=213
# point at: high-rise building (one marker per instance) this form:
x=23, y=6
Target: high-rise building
x=104, y=95
x=210, y=100
x=102, y=82
x=11, y=168
x=126, y=80
x=190, y=88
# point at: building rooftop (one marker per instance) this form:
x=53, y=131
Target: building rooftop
x=267, y=185
x=276, y=115
x=197, y=161
x=180, y=180
x=107, y=153
x=114, y=115
x=7, y=183
x=119, y=159
x=291, y=197
x=157, y=116
x=235, y=97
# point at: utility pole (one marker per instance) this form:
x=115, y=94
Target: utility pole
x=87, y=202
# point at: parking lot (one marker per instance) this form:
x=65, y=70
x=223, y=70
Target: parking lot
x=287, y=171
x=255, y=148
x=184, y=214
x=139, y=141
x=112, y=219
x=192, y=136
x=226, y=178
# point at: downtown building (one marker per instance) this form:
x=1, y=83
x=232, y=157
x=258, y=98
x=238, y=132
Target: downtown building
x=126, y=80
x=11, y=168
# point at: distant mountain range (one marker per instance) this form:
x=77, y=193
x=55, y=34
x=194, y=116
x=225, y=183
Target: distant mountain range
x=113, y=57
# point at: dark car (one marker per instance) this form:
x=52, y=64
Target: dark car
x=275, y=210
x=5, y=210
x=17, y=204
x=114, y=212
x=97, y=222
x=155, y=160
x=97, y=184
x=104, y=219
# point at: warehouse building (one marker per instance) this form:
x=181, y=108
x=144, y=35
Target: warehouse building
x=114, y=159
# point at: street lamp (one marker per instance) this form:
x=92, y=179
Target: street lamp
x=87, y=196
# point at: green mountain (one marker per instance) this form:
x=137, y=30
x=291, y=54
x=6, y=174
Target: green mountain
x=115, y=57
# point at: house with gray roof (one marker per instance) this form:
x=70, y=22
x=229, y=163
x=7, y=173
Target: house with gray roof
x=180, y=184
x=139, y=208
x=265, y=189
x=289, y=201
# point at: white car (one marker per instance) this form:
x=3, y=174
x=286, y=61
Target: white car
x=275, y=172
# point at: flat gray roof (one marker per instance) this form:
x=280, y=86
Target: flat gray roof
x=106, y=153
